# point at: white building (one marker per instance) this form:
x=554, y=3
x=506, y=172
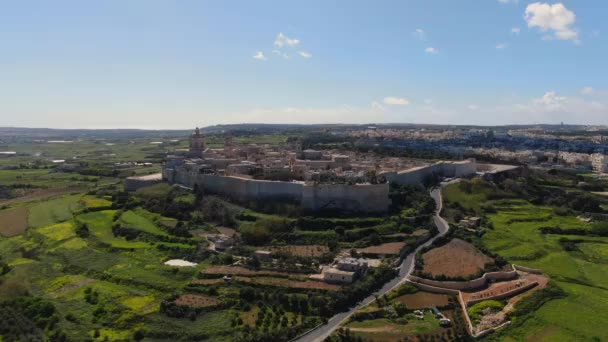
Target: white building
x=599, y=162
x=334, y=275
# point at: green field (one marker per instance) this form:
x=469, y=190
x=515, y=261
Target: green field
x=55, y=210
x=581, y=272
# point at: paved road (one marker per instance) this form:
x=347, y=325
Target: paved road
x=405, y=269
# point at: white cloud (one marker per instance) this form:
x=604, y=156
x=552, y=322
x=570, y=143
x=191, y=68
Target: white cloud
x=281, y=54
x=515, y=30
x=259, y=56
x=587, y=91
x=378, y=106
x=552, y=108
x=419, y=34
x=555, y=19
x=501, y=46
x=431, y=50
x=305, y=54
x=283, y=40
x=396, y=101
x=551, y=102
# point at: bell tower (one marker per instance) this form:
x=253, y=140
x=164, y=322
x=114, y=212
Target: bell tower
x=197, y=143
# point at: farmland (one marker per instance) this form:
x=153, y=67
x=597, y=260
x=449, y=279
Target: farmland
x=13, y=221
x=392, y=318
x=455, y=259
x=574, y=263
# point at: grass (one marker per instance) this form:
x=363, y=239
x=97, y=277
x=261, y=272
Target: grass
x=100, y=226
x=476, y=311
x=51, y=211
x=582, y=314
x=384, y=329
x=59, y=231
x=93, y=202
x=133, y=220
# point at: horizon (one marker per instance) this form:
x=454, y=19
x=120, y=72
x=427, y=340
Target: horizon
x=404, y=124
x=159, y=65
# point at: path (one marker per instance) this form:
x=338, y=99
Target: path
x=405, y=269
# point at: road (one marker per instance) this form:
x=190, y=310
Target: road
x=405, y=269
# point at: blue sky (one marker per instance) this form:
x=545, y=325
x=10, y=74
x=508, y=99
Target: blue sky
x=176, y=64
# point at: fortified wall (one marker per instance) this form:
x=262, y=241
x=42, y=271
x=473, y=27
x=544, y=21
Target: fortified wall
x=418, y=175
x=312, y=196
x=359, y=197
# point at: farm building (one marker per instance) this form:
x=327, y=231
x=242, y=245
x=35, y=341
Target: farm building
x=334, y=275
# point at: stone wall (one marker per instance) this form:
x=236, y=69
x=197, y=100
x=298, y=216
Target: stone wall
x=418, y=175
x=467, y=285
x=433, y=289
x=244, y=189
x=358, y=197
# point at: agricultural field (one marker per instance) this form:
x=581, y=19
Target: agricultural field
x=422, y=300
x=310, y=251
x=540, y=236
x=389, y=248
x=77, y=243
x=392, y=318
x=456, y=259
x=13, y=221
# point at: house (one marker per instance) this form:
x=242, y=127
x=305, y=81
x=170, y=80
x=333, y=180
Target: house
x=334, y=275
x=470, y=222
x=351, y=265
x=220, y=241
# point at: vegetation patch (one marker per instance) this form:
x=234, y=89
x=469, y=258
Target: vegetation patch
x=53, y=211
x=310, y=251
x=483, y=308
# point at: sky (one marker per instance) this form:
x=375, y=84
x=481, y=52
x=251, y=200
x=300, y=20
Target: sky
x=176, y=64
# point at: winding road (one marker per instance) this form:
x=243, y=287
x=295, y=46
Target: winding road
x=405, y=269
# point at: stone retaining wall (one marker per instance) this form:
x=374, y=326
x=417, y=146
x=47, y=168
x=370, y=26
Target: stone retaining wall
x=468, y=285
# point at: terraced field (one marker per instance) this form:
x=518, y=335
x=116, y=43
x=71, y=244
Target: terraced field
x=580, y=271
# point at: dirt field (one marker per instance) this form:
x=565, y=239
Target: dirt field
x=385, y=248
x=422, y=300
x=312, y=251
x=13, y=221
x=227, y=231
x=282, y=282
x=455, y=259
x=207, y=281
x=197, y=301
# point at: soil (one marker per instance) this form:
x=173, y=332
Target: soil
x=13, y=221
x=385, y=248
x=455, y=259
x=423, y=300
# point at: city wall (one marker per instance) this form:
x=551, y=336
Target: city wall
x=357, y=197
x=418, y=175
